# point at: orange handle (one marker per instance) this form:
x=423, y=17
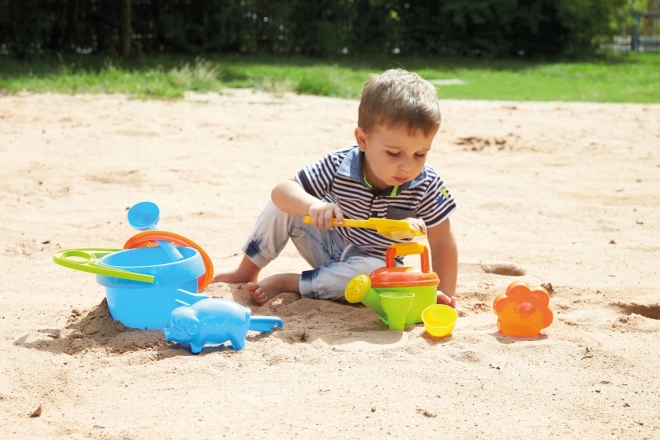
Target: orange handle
x=411, y=248
x=150, y=238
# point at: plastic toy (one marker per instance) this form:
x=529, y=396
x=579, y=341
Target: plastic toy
x=523, y=311
x=85, y=259
x=144, y=216
x=153, y=238
x=394, y=229
x=148, y=305
x=439, y=320
x=396, y=306
x=153, y=285
x=414, y=290
x=143, y=283
x=215, y=321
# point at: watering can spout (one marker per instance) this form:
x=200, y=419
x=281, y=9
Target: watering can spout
x=186, y=298
x=359, y=290
x=396, y=305
x=392, y=306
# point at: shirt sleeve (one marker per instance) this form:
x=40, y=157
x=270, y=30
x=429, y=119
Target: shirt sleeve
x=317, y=177
x=437, y=203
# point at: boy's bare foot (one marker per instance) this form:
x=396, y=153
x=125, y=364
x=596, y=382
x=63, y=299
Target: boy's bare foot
x=270, y=287
x=442, y=298
x=246, y=271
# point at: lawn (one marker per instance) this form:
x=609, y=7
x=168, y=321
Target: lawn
x=615, y=78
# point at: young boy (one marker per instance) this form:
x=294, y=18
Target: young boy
x=384, y=176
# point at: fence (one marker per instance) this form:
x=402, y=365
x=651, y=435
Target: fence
x=646, y=38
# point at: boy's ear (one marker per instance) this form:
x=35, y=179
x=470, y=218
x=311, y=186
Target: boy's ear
x=361, y=138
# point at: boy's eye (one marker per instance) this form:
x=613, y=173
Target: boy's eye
x=420, y=154
x=393, y=154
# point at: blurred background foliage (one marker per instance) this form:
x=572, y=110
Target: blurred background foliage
x=320, y=28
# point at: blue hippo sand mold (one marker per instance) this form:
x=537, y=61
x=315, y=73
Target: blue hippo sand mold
x=215, y=321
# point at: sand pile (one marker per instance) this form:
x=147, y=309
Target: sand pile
x=561, y=195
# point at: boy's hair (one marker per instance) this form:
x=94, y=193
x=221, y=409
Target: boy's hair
x=399, y=97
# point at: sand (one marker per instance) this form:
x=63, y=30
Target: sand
x=561, y=194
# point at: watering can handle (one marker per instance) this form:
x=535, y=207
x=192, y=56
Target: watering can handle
x=411, y=248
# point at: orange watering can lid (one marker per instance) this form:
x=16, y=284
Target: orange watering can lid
x=402, y=277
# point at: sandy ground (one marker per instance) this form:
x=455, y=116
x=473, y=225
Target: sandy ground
x=569, y=193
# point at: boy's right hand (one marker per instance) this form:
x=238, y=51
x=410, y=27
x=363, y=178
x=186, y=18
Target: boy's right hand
x=322, y=214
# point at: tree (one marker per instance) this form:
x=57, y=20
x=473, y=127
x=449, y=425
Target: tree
x=125, y=31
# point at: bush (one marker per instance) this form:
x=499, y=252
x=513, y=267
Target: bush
x=501, y=28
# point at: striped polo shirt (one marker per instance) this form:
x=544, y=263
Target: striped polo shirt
x=338, y=177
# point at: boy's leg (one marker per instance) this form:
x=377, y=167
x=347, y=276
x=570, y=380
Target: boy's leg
x=246, y=271
x=268, y=238
x=319, y=247
x=264, y=243
x=325, y=282
x=329, y=282
x=263, y=290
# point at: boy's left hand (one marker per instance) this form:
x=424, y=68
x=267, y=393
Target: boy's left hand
x=446, y=299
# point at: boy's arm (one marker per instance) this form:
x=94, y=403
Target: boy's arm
x=444, y=260
x=291, y=198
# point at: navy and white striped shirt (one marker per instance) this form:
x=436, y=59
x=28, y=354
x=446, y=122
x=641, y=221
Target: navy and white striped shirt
x=338, y=178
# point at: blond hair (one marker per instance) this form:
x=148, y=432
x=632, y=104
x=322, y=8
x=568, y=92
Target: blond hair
x=399, y=97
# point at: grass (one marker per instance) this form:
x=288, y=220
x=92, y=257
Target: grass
x=623, y=78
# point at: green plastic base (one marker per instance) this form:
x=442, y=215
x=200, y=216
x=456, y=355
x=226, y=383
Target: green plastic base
x=424, y=296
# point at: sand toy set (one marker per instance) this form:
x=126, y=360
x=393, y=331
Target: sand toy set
x=400, y=295
x=155, y=280
x=157, y=276
x=404, y=295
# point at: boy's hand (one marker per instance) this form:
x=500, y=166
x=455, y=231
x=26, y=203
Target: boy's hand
x=446, y=299
x=322, y=214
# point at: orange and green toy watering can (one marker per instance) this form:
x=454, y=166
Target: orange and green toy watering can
x=398, y=295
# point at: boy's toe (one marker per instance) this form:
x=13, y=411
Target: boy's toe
x=256, y=293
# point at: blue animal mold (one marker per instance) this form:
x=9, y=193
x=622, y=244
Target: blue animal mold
x=215, y=321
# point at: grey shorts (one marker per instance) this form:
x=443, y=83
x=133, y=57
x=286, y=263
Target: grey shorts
x=334, y=259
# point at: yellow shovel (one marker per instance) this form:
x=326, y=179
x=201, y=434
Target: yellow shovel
x=394, y=229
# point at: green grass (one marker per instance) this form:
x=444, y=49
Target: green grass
x=623, y=78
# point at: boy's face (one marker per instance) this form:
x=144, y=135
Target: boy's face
x=392, y=155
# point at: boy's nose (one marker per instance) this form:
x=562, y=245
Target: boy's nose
x=405, y=164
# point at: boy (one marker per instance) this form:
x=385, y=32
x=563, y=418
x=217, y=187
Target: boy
x=384, y=176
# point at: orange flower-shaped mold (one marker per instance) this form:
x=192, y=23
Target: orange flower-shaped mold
x=523, y=311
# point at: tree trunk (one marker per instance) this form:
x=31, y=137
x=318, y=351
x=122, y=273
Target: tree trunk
x=125, y=32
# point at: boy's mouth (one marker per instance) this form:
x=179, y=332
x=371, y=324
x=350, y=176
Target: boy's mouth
x=401, y=179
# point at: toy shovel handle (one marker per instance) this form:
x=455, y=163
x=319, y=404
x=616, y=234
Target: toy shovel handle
x=265, y=323
x=348, y=223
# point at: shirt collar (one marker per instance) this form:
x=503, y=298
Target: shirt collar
x=351, y=167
